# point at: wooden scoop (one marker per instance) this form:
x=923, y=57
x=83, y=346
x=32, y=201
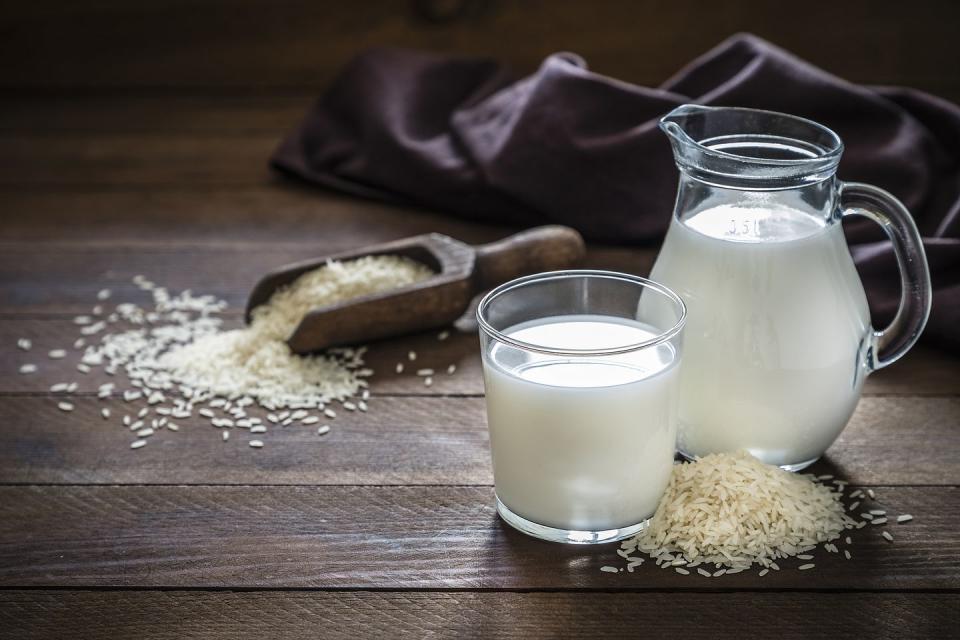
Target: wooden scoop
x=461, y=272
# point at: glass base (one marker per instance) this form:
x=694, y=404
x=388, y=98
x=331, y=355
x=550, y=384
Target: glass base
x=792, y=468
x=552, y=534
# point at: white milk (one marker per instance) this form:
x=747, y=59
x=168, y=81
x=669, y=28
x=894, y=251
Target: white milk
x=776, y=322
x=581, y=443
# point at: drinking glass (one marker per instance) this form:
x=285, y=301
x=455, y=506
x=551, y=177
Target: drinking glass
x=580, y=370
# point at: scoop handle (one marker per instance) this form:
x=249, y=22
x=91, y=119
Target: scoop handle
x=547, y=248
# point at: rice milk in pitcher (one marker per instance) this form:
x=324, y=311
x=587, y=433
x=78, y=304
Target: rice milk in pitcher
x=779, y=339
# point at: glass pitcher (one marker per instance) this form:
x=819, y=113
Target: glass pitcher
x=779, y=338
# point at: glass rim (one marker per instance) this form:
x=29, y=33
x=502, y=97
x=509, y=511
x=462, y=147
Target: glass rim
x=548, y=276
x=829, y=155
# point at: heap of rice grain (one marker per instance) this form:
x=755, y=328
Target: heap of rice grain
x=255, y=361
x=731, y=510
x=178, y=360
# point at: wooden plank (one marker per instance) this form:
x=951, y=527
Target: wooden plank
x=923, y=371
x=126, y=112
x=268, y=45
x=401, y=440
x=394, y=537
x=247, y=215
x=152, y=615
x=65, y=278
x=135, y=160
x=461, y=349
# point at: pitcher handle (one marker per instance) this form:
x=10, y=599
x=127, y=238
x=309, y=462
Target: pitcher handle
x=915, y=292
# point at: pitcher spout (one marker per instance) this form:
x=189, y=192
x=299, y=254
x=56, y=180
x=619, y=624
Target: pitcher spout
x=750, y=148
x=677, y=123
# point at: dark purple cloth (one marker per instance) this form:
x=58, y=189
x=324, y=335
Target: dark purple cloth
x=566, y=145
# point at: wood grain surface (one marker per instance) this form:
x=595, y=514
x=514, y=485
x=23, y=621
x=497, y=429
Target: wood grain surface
x=431, y=537
x=401, y=440
x=133, y=139
x=296, y=615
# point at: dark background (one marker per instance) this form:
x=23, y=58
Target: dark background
x=253, y=46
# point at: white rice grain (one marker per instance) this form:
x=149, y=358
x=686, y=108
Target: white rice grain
x=762, y=511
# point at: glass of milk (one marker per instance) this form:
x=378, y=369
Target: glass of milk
x=779, y=337
x=581, y=390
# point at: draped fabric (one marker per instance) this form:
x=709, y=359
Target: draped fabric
x=569, y=146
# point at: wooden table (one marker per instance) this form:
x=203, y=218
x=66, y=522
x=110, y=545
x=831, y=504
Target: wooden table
x=386, y=527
